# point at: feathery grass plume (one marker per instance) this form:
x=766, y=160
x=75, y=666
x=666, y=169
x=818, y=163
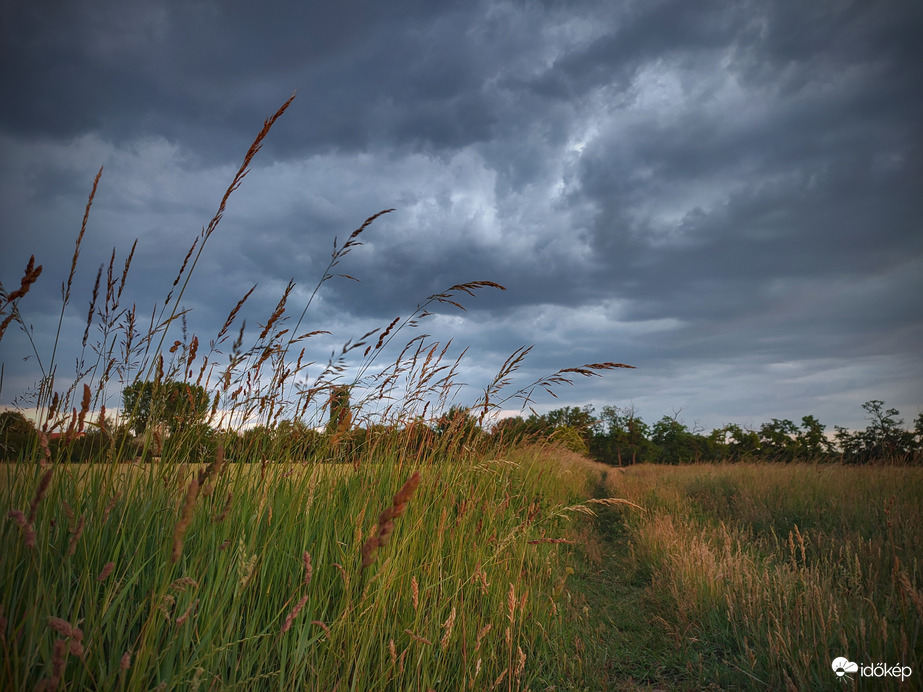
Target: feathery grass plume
x=165, y=605
x=179, y=532
x=106, y=571
x=11, y=300
x=111, y=505
x=66, y=289
x=46, y=449
x=613, y=501
x=483, y=632
x=76, y=533
x=343, y=574
x=245, y=567
x=186, y=613
x=84, y=407
x=414, y=592
x=322, y=626
x=308, y=571
x=220, y=517
x=416, y=637
x=481, y=576
x=194, y=254
x=25, y=526
x=40, y=492
x=511, y=603
x=448, y=625
x=64, y=628
x=18, y=518
x=58, y=661
x=278, y=312
x=386, y=520
x=294, y=613
x=72, y=633
x=182, y=584
x=211, y=472
x=86, y=332
x=521, y=663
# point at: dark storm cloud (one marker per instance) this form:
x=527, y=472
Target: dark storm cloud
x=204, y=70
x=717, y=192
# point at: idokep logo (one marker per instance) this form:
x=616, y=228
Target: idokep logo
x=842, y=666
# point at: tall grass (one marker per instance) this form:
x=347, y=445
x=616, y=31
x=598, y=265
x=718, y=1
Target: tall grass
x=779, y=569
x=267, y=587
x=430, y=560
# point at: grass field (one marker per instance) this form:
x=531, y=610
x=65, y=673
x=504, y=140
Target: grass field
x=291, y=582
x=432, y=555
x=491, y=573
x=759, y=576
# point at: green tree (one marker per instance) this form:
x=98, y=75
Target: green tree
x=884, y=438
x=581, y=419
x=573, y=427
x=295, y=440
x=570, y=438
x=16, y=434
x=457, y=427
x=676, y=443
x=340, y=411
x=778, y=440
x=511, y=430
x=812, y=442
x=176, y=404
x=623, y=438
x=742, y=443
x=253, y=444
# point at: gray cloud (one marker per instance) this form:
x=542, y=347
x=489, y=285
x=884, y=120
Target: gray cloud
x=724, y=194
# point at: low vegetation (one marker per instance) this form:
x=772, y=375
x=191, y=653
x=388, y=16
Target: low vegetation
x=758, y=576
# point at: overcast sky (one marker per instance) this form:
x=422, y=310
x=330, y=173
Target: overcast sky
x=726, y=195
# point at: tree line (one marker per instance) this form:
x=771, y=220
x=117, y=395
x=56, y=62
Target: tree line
x=169, y=419
x=618, y=436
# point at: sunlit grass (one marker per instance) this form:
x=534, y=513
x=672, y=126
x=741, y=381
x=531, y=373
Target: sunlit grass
x=779, y=569
x=466, y=592
x=356, y=530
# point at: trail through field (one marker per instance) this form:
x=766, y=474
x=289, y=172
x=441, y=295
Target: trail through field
x=633, y=645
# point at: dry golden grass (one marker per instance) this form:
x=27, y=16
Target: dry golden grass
x=782, y=567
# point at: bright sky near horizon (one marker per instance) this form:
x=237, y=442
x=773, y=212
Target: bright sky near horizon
x=726, y=195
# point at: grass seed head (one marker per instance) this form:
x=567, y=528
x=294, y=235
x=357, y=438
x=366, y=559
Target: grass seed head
x=386, y=520
x=106, y=571
x=179, y=533
x=40, y=491
x=294, y=613
x=308, y=570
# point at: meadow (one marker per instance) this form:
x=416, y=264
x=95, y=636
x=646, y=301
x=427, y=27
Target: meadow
x=359, y=530
x=292, y=577
x=757, y=576
x=237, y=524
